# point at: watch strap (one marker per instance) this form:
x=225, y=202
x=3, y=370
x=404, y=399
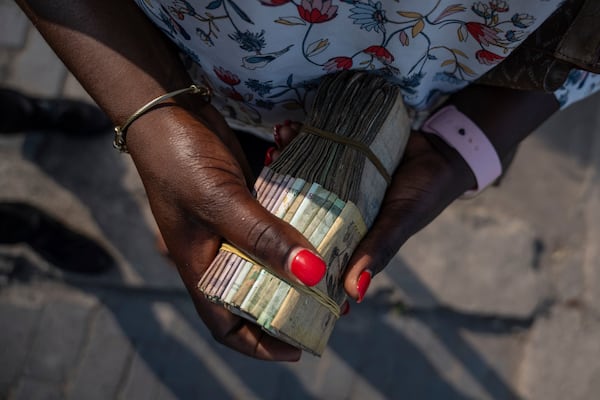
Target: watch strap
x=459, y=132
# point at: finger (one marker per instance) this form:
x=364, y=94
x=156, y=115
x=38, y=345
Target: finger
x=270, y=156
x=423, y=185
x=242, y=336
x=230, y=330
x=250, y=339
x=234, y=332
x=284, y=134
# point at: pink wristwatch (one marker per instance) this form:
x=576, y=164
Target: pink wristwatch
x=459, y=132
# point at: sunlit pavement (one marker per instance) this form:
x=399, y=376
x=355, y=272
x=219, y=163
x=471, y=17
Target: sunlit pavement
x=499, y=298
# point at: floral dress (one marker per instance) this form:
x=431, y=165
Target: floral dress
x=263, y=58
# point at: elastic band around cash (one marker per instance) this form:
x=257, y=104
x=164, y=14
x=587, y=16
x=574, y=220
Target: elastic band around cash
x=322, y=299
x=352, y=143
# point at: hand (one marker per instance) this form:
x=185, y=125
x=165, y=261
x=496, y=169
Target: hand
x=430, y=176
x=199, y=195
x=195, y=177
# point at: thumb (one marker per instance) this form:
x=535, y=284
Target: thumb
x=271, y=241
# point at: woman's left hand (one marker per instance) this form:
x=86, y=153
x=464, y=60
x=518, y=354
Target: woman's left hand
x=430, y=176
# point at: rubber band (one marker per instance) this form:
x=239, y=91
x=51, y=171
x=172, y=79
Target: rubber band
x=354, y=144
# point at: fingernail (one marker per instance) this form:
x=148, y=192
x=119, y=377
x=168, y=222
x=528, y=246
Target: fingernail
x=287, y=122
x=345, y=308
x=277, y=135
x=308, y=267
x=269, y=156
x=364, y=280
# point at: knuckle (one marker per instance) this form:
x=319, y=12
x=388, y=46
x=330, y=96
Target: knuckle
x=265, y=239
x=219, y=337
x=384, y=255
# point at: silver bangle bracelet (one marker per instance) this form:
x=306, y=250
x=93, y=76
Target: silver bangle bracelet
x=119, y=141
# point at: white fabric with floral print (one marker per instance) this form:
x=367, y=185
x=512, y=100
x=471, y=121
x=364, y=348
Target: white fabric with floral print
x=263, y=58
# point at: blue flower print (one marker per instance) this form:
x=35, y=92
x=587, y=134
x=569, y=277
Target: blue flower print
x=522, y=20
x=174, y=27
x=514, y=36
x=413, y=80
x=408, y=84
x=369, y=16
x=250, y=41
x=574, y=77
x=260, y=88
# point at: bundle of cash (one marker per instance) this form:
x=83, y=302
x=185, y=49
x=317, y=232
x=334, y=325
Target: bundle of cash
x=328, y=184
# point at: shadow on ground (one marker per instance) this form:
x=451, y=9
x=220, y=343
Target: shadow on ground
x=383, y=355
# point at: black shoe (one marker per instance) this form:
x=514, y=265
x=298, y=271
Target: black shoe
x=21, y=113
x=64, y=248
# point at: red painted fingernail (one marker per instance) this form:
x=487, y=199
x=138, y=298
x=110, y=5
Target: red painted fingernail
x=308, y=267
x=345, y=308
x=277, y=135
x=269, y=156
x=364, y=280
x=287, y=122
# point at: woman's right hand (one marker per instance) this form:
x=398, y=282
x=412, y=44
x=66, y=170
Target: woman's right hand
x=191, y=166
x=199, y=195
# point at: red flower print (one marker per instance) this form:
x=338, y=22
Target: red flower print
x=499, y=5
x=487, y=57
x=317, y=11
x=226, y=76
x=482, y=33
x=274, y=2
x=380, y=53
x=338, y=64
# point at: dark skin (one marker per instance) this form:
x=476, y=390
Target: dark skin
x=432, y=175
x=197, y=178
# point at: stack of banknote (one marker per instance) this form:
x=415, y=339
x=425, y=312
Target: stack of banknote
x=328, y=184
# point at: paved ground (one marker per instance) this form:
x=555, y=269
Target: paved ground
x=497, y=299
